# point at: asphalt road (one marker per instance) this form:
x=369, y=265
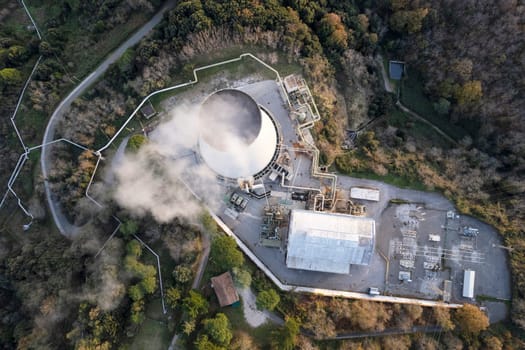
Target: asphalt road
x=62, y=223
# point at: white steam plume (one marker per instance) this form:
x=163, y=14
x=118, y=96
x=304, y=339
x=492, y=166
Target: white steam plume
x=154, y=180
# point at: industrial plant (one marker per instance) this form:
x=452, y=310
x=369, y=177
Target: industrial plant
x=311, y=230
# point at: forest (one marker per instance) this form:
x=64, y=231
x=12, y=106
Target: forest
x=465, y=73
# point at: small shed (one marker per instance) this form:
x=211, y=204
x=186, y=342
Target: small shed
x=147, y=110
x=224, y=289
x=396, y=69
x=468, y=283
x=369, y=194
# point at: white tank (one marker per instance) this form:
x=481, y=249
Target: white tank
x=237, y=138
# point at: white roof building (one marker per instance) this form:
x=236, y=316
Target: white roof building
x=238, y=139
x=369, y=194
x=329, y=242
x=468, y=283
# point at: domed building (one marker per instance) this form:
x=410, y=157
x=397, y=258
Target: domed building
x=238, y=138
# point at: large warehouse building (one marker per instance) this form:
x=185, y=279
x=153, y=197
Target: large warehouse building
x=328, y=242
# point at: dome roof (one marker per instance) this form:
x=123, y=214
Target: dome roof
x=237, y=138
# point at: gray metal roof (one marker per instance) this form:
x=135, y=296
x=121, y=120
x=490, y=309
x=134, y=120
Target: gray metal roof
x=329, y=242
x=396, y=70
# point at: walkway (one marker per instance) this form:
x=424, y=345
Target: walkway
x=387, y=332
x=422, y=119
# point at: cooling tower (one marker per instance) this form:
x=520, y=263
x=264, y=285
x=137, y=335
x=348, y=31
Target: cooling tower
x=238, y=139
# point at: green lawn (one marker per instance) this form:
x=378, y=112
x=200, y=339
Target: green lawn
x=152, y=335
x=17, y=20
x=392, y=179
x=231, y=71
x=417, y=129
x=413, y=97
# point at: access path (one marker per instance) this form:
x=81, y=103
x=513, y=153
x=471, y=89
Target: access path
x=64, y=226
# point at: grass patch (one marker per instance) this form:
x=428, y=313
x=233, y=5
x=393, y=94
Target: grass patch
x=153, y=334
x=392, y=179
x=282, y=65
x=16, y=18
x=229, y=72
x=482, y=297
x=413, y=97
x=398, y=201
x=418, y=129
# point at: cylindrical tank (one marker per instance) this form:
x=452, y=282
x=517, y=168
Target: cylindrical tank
x=237, y=138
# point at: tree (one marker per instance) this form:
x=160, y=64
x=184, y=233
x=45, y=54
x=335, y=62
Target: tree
x=126, y=63
x=218, y=328
x=134, y=248
x=149, y=282
x=224, y=254
x=195, y=304
x=242, y=341
x=408, y=21
x=423, y=342
x=17, y=54
x=471, y=320
x=469, y=92
x=129, y=228
x=318, y=322
x=267, y=299
x=135, y=142
x=369, y=315
x=10, y=76
x=367, y=140
x=442, y=106
x=492, y=343
x=137, y=312
x=135, y=292
x=332, y=30
x=399, y=342
x=182, y=274
x=204, y=343
x=46, y=49
x=442, y=317
x=188, y=327
x=285, y=338
x=209, y=224
x=173, y=297
x=242, y=277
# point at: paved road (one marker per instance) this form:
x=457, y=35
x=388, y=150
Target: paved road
x=203, y=262
x=63, y=225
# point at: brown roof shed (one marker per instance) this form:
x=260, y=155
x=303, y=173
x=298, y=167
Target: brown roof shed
x=224, y=289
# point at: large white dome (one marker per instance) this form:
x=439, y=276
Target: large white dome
x=237, y=138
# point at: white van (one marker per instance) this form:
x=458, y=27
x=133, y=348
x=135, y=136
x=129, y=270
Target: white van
x=373, y=291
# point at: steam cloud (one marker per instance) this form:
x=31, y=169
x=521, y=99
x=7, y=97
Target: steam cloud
x=155, y=180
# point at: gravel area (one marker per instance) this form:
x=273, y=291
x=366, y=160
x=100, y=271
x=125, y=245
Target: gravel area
x=254, y=317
